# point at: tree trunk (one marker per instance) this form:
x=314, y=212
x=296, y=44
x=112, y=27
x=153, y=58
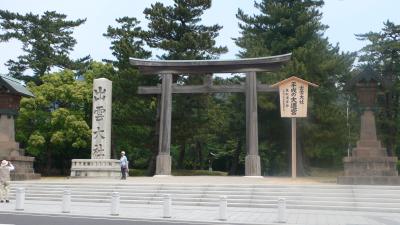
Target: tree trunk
x=181, y=155
x=235, y=158
x=198, y=155
x=151, y=169
x=49, y=160
x=201, y=160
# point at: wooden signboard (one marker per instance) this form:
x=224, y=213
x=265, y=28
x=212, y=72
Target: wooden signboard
x=293, y=93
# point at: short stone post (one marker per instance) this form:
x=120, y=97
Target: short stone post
x=167, y=206
x=281, y=210
x=20, y=199
x=115, y=204
x=223, y=205
x=66, y=201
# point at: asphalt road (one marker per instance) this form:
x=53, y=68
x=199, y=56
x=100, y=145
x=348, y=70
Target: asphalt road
x=39, y=219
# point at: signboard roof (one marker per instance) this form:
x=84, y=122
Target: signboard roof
x=293, y=78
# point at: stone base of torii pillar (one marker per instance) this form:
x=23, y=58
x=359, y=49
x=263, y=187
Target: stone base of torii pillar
x=253, y=166
x=163, y=166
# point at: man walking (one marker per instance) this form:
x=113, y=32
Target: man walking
x=5, y=168
x=124, y=165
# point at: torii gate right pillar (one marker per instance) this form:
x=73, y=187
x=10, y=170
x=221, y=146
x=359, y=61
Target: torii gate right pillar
x=252, y=161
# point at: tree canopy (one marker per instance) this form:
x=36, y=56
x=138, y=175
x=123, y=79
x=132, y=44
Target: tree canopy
x=53, y=125
x=46, y=41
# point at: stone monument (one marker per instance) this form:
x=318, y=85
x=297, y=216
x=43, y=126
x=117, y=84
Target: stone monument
x=369, y=162
x=100, y=164
x=11, y=92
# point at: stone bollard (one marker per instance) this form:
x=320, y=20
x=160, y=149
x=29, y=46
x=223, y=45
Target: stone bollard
x=20, y=199
x=223, y=205
x=66, y=201
x=167, y=206
x=115, y=204
x=281, y=210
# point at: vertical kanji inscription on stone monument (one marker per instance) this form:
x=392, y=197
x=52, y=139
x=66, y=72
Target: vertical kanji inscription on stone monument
x=101, y=119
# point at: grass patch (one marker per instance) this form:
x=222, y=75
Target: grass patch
x=137, y=173
x=326, y=172
x=142, y=173
x=198, y=173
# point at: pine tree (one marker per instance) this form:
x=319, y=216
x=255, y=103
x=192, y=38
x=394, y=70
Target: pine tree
x=133, y=115
x=176, y=30
x=285, y=26
x=46, y=41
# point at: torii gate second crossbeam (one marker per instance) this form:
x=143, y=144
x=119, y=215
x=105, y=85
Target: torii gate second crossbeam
x=166, y=68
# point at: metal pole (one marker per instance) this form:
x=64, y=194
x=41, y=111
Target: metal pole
x=281, y=210
x=115, y=204
x=20, y=199
x=294, y=168
x=167, y=206
x=66, y=201
x=223, y=205
x=348, y=127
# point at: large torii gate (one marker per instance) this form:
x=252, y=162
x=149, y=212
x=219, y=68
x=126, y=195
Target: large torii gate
x=165, y=68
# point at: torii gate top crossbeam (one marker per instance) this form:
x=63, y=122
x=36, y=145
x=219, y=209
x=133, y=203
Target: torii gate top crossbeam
x=270, y=63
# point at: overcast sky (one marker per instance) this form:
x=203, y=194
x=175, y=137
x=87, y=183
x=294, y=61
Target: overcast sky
x=344, y=18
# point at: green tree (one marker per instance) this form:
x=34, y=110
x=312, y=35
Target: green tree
x=52, y=125
x=383, y=53
x=228, y=123
x=295, y=26
x=133, y=115
x=176, y=30
x=46, y=41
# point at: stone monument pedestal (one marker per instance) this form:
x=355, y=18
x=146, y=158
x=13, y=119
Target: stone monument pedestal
x=369, y=163
x=96, y=168
x=9, y=150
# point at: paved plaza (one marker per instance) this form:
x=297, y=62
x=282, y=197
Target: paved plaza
x=186, y=214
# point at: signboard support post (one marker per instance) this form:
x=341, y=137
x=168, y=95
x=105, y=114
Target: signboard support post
x=294, y=151
x=293, y=97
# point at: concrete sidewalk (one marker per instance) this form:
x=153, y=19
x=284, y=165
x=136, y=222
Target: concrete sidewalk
x=209, y=214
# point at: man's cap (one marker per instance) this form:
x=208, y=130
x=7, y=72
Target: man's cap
x=4, y=163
